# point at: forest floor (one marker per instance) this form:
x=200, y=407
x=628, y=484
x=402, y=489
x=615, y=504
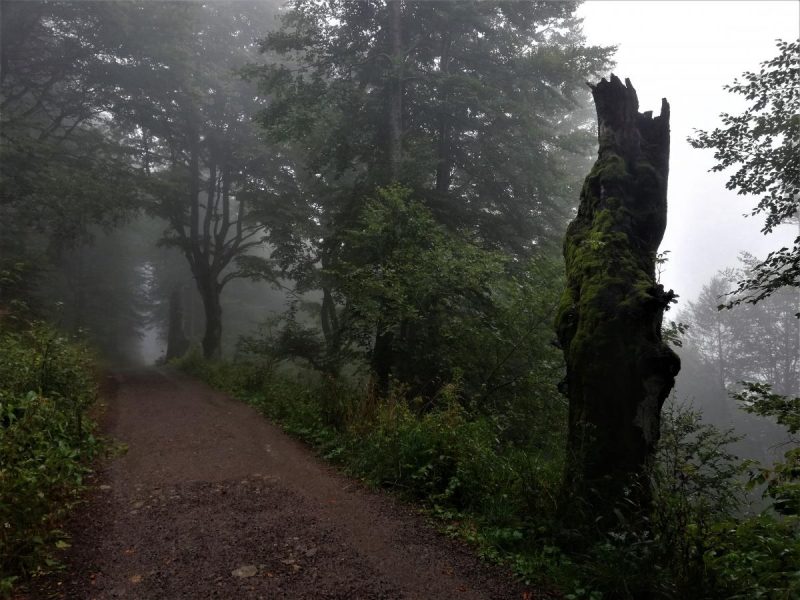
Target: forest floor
x=210, y=500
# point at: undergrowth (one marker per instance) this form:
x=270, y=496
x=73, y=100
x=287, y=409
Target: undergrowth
x=500, y=492
x=459, y=464
x=46, y=442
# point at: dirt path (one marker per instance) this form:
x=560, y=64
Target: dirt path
x=213, y=501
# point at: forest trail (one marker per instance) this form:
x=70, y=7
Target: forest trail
x=213, y=501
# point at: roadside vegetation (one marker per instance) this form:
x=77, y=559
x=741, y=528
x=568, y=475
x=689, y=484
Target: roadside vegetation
x=47, y=385
x=498, y=488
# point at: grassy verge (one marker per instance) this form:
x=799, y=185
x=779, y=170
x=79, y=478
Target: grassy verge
x=47, y=385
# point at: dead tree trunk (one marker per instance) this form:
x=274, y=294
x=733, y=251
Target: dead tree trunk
x=619, y=370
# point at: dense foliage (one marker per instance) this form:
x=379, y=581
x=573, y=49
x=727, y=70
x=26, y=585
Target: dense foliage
x=46, y=387
x=62, y=168
x=477, y=109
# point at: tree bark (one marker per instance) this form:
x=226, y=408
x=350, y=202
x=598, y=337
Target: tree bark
x=177, y=343
x=619, y=370
x=395, y=89
x=382, y=351
x=443, y=162
x=331, y=333
x=382, y=359
x=212, y=338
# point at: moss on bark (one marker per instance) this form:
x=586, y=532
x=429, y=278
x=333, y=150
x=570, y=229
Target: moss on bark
x=619, y=370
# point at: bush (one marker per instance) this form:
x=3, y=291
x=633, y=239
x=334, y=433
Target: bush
x=697, y=483
x=758, y=557
x=46, y=386
x=695, y=542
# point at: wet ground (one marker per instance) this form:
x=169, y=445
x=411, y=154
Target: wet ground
x=211, y=500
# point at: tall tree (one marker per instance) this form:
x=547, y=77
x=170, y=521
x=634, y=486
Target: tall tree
x=467, y=104
x=619, y=369
x=487, y=92
x=107, y=105
x=193, y=129
x=712, y=332
x=63, y=168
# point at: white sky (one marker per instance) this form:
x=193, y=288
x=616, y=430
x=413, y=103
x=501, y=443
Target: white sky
x=686, y=51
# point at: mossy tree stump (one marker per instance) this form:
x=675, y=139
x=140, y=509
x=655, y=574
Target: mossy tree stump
x=619, y=369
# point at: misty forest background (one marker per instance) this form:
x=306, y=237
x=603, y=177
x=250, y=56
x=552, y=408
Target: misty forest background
x=351, y=215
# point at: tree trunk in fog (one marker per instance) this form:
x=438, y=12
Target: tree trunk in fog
x=619, y=370
x=331, y=333
x=721, y=370
x=382, y=353
x=443, y=150
x=382, y=359
x=212, y=338
x=177, y=343
x=395, y=115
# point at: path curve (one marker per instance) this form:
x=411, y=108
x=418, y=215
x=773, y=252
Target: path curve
x=211, y=500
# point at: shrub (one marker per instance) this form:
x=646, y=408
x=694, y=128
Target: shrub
x=697, y=483
x=46, y=386
x=755, y=558
x=498, y=489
